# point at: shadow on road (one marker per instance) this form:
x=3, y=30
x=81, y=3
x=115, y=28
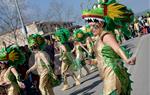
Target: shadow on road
x=86, y=89
x=97, y=75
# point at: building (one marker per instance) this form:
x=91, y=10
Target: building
x=18, y=37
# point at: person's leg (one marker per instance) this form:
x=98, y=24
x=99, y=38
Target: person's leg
x=76, y=79
x=79, y=75
x=42, y=86
x=85, y=67
x=13, y=90
x=64, y=69
x=49, y=89
x=45, y=85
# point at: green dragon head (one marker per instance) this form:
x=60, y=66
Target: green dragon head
x=113, y=14
x=62, y=35
x=79, y=35
x=12, y=55
x=82, y=33
x=36, y=40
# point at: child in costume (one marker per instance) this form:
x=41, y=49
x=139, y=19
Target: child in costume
x=41, y=65
x=104, y=17
x=79, y=37
x=80, y=58
x=89, y=44
x=10, y=58
x=68, y=63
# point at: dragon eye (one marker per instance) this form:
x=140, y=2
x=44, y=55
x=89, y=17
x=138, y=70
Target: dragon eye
x=95, y=6
x=99, y=6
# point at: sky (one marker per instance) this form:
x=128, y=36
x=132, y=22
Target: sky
x=43, y=6
x=135, y=5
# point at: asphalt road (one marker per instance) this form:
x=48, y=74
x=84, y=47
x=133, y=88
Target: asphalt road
x=140, y=74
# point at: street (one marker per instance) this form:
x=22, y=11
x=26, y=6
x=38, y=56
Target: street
x=92, y=85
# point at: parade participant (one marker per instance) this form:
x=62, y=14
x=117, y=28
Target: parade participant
x=80, y=59
x=148, y=18
x=84, y=37
x=103, y=18
x=41, y=65
x=80, y=51
x=10, y=58
x=67, y=59
x=91, y=58
x=90, y=40
x=136, y=27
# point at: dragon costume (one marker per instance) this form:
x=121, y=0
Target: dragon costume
x=68, y=63
x=36, y=40
x=84, y=35
x=12, y=57
x=114, y=16
x=47, y=78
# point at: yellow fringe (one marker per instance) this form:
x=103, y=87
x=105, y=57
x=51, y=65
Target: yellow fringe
x=114, y=11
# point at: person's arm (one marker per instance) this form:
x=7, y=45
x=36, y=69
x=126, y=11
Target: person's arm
x=85, y=49
x=31, y=69
x=44, y=57
x=63, y=51
x=5, y=83
x=58, y=52
x=13, y=70
x=89, y=47
x=21, y=85
x=110, y=40
x=73, y=49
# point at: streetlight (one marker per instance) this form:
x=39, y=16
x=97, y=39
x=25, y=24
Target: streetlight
x=21, y=19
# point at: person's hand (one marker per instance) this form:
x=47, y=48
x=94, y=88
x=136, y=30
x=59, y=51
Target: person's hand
x=21, y=85
x=131, y=61
x=5, y=84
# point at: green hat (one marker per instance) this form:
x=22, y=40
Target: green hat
x=115, y=15
x=62, y=35
x=36, y=40
x=79, y=35
x=82, y=33
x=87, y=30
x=12, y=55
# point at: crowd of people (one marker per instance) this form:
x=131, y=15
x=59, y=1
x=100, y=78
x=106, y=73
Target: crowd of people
x=139, y=27
x=44, y=63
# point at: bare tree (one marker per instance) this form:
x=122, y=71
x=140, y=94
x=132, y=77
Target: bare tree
x=8, y=14
x=9, y=20
x=59, y=11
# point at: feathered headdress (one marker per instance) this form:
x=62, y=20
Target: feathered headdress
x=62, y=35
x=82, y=33
x=36, y=40
x=115, y=15
x=87, y=29
x=12, y=55
x=79, y=35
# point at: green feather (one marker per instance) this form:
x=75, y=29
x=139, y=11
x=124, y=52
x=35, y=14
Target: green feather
x=63, y=34
x=36, y=39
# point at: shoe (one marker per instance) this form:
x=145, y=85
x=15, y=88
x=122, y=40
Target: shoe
x=79, y=76
x=77, y=82
x=65, y=87
x=93, y=68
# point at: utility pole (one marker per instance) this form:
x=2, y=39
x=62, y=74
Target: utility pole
x=21, y=19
